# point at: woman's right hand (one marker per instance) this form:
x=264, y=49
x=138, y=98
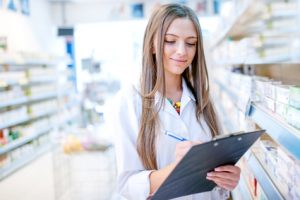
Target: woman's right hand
x=182, y=148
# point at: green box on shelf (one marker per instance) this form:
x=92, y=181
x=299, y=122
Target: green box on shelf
x=295, y=97
x=293, y=116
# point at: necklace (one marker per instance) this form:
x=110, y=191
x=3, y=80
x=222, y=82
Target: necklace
x=175, y=105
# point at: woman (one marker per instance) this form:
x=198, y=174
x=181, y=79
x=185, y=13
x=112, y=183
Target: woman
x=173, y=95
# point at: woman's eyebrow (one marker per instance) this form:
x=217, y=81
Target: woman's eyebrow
x=178, y=36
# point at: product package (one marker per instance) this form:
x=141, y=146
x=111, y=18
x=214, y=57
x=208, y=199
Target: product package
x=294, y=98
x=293, y=116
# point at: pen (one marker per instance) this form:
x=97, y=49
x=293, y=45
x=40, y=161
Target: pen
x=173, y=135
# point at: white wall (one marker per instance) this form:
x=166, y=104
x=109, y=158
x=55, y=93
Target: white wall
x=94, y=11
x=117, y=45
x=33, y=33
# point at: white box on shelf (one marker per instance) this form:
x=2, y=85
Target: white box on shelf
x=269, y=103
x=270, y=89
x=293, y=116
x=280, y=109
x=259, y=85
x=294, y=98
x=282, y=93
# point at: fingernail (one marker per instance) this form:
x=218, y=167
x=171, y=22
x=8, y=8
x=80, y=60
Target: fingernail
x=209, y=174
x=207, y=177
x=217, y=169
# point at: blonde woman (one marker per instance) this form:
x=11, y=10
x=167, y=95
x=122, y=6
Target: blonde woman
x=173, y=95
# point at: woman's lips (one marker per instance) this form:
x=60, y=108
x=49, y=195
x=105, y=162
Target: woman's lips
x=178, y=60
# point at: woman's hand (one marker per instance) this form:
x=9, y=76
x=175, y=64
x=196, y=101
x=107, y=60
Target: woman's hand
x=182, y=148
x=226, y=176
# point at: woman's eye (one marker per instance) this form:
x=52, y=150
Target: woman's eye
x=169, y=41
x=191, y=44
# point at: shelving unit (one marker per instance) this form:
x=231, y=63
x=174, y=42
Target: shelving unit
x=280, y=131
x=37, y=137
x=17, y=143
x=26, y=119
x=243, y=15
x=14, y=102
x=6, y=171
x=243, y=191
x=285, y=135
x=263, y=178
x=281, y=59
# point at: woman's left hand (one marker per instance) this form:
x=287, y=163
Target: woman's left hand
x=226, y=176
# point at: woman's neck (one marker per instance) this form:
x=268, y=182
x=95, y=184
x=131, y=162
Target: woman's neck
x=173, y=87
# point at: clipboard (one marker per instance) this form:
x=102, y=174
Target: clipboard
x=189, y=176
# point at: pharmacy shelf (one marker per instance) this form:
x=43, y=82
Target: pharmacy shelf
x=242, y=16
x=264, y=180
x=24, y=100
x=27, y=82
x=28, y=63
x=26, y=119
x=14, y=102
x=23, y=140
x=280, y=59
x=288, y=31
x=241, y=190
x=42, y=114
x=244, y=189
x=47, y=95
x=5, y=83
x=275, y=15
x=279, y=130
x=231, y=94
x=43, y=79
x=7, y=170
x=229, y=126
x=15, y=122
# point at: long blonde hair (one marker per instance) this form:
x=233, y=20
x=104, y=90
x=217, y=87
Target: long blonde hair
x=153, y=79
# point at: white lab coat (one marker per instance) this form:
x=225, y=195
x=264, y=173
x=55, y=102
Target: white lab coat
x=133, y=179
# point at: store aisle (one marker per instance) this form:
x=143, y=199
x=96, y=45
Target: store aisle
x=87, y=175
x=92, y=176
x=34, y=181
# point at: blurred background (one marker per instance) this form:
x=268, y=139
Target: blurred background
x=63, y=61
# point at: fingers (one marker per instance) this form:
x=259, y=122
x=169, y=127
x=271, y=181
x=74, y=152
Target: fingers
x=225, y=176
x=229, y=168
x=224, y=183
x=183, y=147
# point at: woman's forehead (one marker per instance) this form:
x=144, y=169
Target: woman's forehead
x=182, y=27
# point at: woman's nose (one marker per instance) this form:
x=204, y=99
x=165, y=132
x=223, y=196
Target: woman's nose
x=181, y=49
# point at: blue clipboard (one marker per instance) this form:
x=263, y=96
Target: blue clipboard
x=189, y=176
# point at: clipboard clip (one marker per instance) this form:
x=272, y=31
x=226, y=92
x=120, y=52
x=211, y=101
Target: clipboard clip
x=227, y=135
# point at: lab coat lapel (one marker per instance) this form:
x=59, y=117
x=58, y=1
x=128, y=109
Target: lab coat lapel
x=167, y=107
x=186, y=97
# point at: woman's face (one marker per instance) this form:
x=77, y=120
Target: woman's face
x=180, y=44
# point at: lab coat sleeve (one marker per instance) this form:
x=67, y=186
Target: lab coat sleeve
x=133, y=179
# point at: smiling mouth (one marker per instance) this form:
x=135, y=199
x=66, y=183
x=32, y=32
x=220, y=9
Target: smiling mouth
x=178, y=60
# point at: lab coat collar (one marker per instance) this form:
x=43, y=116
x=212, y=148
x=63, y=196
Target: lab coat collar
x=186, y=92
x=187, y=95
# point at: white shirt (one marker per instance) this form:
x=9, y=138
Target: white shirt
x=133, y=179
